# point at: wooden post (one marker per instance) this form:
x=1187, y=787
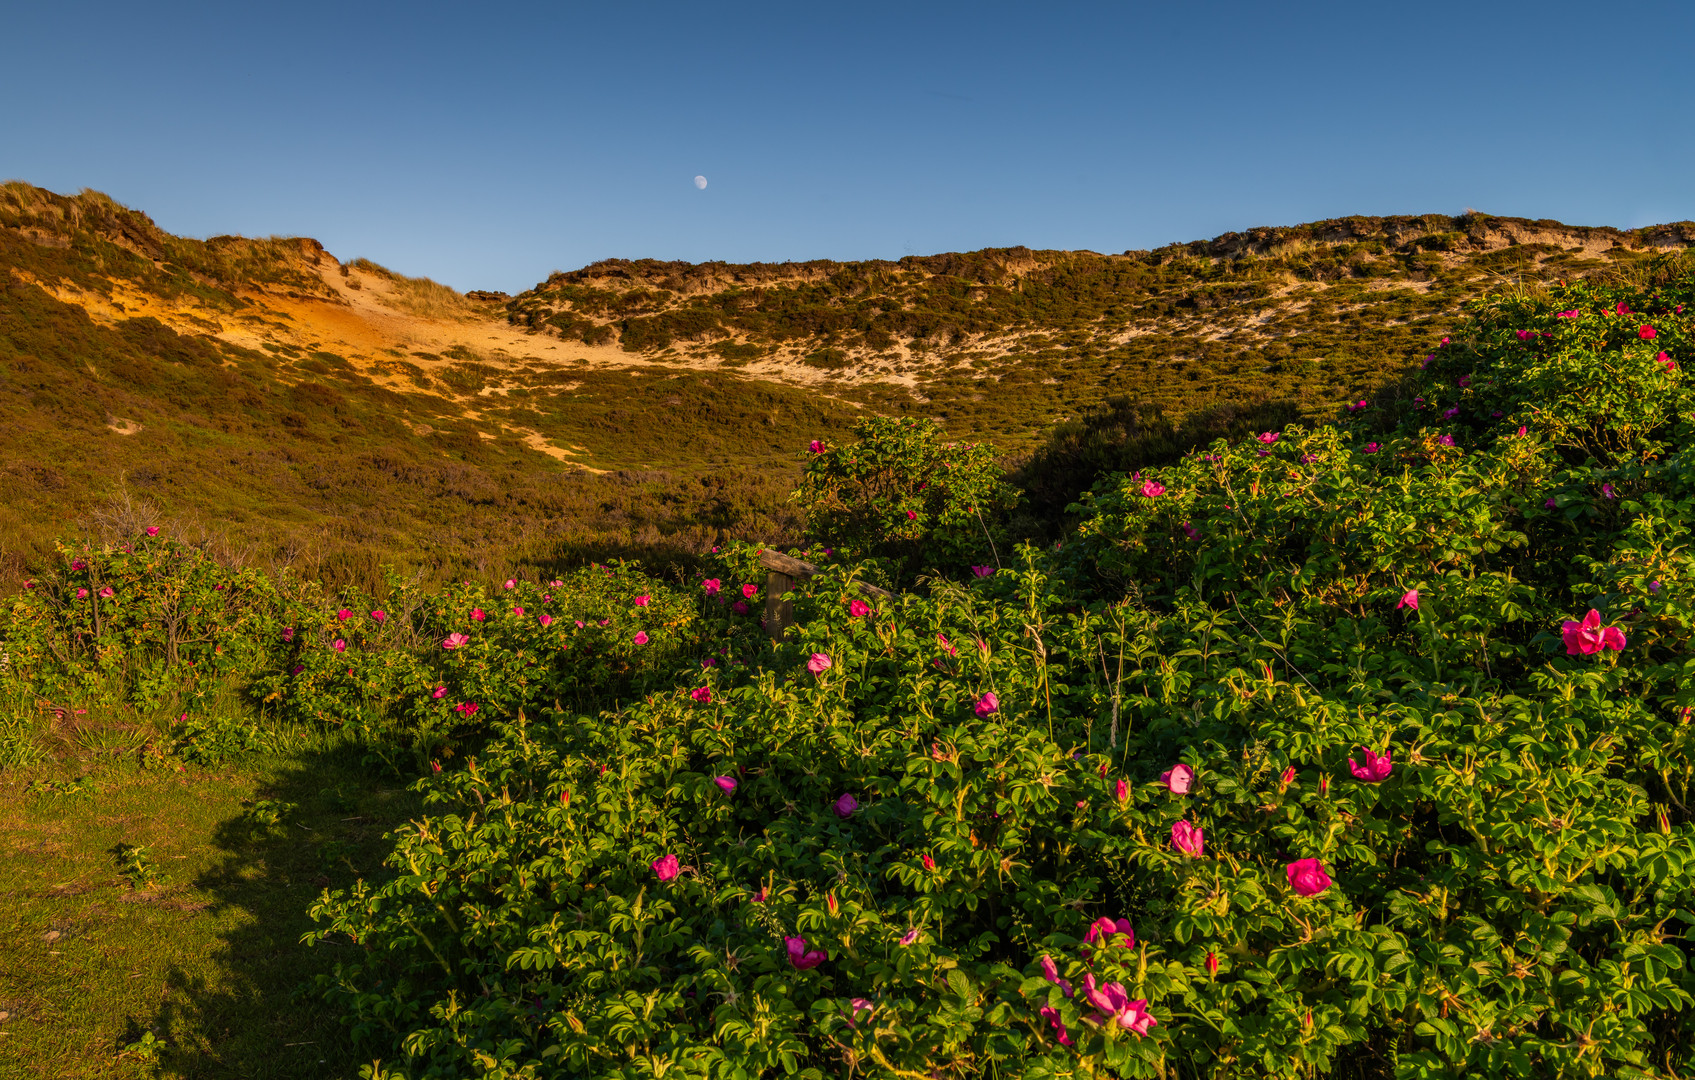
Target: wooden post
x=779, y=609
x=784, y=572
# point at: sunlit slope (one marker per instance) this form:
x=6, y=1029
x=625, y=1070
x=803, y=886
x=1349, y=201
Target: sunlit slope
x=347, y=416
x=342, y=416
x=1006, y=341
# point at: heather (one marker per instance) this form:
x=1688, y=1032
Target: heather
x=1354, y=748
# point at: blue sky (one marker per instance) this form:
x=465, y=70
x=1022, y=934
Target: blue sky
x=485, y=145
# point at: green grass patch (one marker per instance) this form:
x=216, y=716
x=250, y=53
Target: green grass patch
x=154, y=914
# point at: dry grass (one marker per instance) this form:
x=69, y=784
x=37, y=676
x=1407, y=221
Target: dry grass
x=421, y=296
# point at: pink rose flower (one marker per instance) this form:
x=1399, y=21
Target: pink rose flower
x=816, y=446
x=1050, y=972
x=1267, y=437
x=454, y=641
x=1408, y=600
x=858, y=609
x=982, y=571
x=478, y=615
x=1589, y=637
x=642, y=600
x=802, y=958
x=846, y=805
x=859, y=1005
x=545, y=619
x=1647, y=333
x=343, y=615
x=739, y=607
x=909, y=937
x=1178, y=779
x=339, y=645
x=749, y=591
x=1376, y=769
x=712, y=585
x=1116, y=1007
x=988, y=704
x=1051, y=1015
x=1187, y=838
x=438, y=693
x=641, y=637
x=106, y=593
x=726, y=784
x=152, y=530
x=666, y=867
x=510, y=583
x=1152, y=489
x=702, y=694
x=1307, y=877
x=1105, y=930
x=912, y=515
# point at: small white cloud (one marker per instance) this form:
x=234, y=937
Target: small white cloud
x=700, y=182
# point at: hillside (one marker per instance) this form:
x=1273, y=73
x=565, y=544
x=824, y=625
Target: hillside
x=1317, y=312
x=336, y=415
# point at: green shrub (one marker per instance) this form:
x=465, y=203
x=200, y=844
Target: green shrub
x=902, y=492
x=1436, y=838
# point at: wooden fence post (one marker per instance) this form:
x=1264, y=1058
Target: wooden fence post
x=784, y=572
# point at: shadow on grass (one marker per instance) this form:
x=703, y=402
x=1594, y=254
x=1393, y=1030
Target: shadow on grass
x=317, y=821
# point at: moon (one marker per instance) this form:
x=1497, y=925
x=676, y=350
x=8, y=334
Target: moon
x=700, y=182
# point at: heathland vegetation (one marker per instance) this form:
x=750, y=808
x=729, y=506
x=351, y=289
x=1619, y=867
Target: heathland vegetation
x=1356, y=746
x=333, y=416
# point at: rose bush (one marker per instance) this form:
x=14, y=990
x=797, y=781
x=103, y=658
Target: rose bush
x=1357, y=750
x=1301, y=730
x=901, y=492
